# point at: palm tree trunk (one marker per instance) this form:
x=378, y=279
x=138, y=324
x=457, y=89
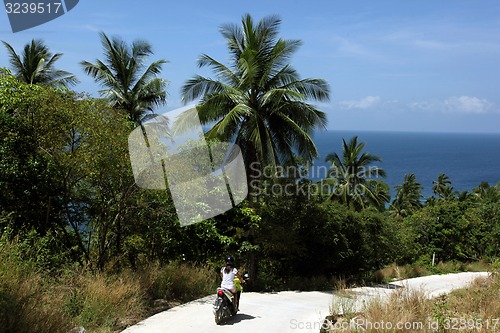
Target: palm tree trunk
x=254, y=172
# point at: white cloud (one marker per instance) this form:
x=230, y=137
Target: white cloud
x=364, y=103
x=425, y=105
x=467, y=104
x=453, y=104
x=456, y=104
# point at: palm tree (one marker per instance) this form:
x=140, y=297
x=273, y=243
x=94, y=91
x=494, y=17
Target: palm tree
x=353, y=178
x=36, y=65
x=129, y=84
x=382, y=193
x=484, y=192
x=408, y=196
x=258, y=100
x=442, y=186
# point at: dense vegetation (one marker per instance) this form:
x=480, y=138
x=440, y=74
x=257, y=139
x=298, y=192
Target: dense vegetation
x=71, y=215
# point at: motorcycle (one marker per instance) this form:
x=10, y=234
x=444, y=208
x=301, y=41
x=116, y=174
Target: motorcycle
x=224, y=304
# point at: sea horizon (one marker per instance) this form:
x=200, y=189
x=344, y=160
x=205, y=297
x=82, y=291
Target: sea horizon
x=467, y=158
x=407, y=131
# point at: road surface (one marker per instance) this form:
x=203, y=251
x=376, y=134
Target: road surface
x=288, y=311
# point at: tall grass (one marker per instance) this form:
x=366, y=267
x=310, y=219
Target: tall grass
x=26, y=303
x=100, y=301
x=473, y=309
x=36, y=302
x=182, y=282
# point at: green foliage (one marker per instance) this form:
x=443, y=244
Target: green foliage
x=442, y=187
x=408, y=197
x=27, y=192
x=48, y=253
x=457, y=230
x=64, y=166
x=311, y=238
x=353, y=178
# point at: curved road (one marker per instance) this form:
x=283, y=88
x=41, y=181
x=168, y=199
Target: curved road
x=287, y=311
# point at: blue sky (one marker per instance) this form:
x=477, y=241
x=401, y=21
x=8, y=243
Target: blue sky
x=392, y=65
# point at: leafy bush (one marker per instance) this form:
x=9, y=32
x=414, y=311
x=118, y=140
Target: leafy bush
x=309, y=238
x=456, y=230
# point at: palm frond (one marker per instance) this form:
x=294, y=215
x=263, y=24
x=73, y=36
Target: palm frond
x=200, y=86
x=220, y=70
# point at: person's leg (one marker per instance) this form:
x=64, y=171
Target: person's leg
x=238, y=294
x=235, y=304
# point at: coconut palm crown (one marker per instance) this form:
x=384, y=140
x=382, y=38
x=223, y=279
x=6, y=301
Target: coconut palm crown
x=353, y=178
x=258, y=100
x=129, y=83
x=36, y=65
x=408, y=196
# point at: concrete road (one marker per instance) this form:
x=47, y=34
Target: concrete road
x=288, y=311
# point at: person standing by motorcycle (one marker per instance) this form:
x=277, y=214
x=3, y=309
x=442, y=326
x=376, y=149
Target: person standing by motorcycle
x=239, y=289
x=228, y=274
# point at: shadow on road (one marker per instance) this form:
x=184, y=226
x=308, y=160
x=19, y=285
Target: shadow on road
x=238, y=318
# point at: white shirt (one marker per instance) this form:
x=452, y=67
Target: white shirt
x=228, y=278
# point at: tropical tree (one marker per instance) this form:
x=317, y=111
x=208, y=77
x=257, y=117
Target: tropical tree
x=129, y=83
x=408, y=196
x=353, y=178
x=64, y=169
x=485, y=192
x=36, y=65
x=258, y=101
x=442, y=186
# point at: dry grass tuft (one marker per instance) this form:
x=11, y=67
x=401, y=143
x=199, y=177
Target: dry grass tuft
x=473, y=309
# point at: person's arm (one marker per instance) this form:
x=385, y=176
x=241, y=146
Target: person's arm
x=239, y=277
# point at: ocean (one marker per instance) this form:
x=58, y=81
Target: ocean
x=467, y=159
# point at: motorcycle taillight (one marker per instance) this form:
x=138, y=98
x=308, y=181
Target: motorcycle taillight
x=220, y=293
